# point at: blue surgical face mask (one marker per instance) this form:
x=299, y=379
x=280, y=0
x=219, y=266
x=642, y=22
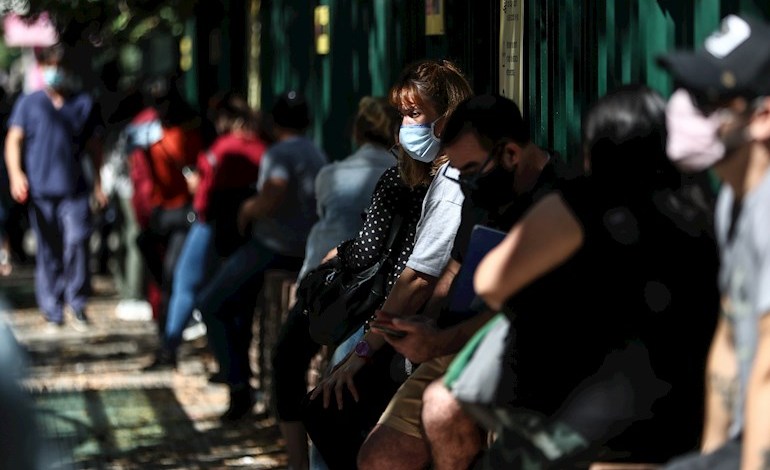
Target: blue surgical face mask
x=60, y=80
x=420, y=142
x=53, y=77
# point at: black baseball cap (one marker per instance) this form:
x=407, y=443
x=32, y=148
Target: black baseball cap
x=733, y=61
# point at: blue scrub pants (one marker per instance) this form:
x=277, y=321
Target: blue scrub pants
x=62, y=227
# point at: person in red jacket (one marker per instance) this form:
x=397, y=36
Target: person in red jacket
x=167, y=141
x=222, y=180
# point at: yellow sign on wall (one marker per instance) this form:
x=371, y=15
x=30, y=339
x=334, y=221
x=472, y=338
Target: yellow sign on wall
x=511, y=48
x=322, y=29
x=434, y=17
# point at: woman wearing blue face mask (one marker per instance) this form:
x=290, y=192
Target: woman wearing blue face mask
x=357, y=391
x=426, y=94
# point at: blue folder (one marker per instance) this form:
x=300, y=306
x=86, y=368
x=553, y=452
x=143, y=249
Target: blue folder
x=482, y=240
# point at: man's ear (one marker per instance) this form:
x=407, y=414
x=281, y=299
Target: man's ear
x=759, y=127
x=511, y=155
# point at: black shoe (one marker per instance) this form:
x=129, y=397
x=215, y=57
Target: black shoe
x=241, y=403
x=164, y=360
x=80, y=320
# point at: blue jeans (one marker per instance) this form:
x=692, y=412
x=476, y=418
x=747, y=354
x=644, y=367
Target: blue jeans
x=192, y=268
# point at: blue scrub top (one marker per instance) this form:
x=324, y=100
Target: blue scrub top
x=53, y=141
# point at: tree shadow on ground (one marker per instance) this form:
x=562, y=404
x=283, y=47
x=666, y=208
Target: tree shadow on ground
x=148, y=428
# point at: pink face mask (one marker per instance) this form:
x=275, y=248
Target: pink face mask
x=693, y=139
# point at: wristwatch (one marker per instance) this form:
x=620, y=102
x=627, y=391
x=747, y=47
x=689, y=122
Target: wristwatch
x=363, y=350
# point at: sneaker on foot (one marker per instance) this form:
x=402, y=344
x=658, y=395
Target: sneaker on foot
x=52, y=328
x=80, y=320
x=5, y=263
x=194, y=329
x=133, y=310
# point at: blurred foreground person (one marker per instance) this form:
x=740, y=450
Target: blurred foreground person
x=720, y=119
x=609, y=290
x=21, y=446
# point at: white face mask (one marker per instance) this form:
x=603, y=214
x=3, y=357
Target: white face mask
x=693, y=142
x=420, y=142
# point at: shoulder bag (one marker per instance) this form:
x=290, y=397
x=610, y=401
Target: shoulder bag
x=338, y=301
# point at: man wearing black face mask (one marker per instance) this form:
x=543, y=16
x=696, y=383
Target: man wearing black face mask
x=502, y=173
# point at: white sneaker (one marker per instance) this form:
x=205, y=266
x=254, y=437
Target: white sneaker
x=195, y=328
x=133, y=310
x=52, y=328
x=80, y=321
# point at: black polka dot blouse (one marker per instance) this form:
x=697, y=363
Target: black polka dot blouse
x=390, y=196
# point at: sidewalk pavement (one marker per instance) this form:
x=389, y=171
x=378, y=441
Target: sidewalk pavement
x=97, y=410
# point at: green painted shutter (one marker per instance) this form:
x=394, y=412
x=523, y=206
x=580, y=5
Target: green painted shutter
x=579, y=50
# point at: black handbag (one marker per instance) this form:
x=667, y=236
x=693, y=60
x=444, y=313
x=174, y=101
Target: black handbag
x=338, y=301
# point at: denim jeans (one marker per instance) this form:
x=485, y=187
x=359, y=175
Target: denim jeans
x=194, y=264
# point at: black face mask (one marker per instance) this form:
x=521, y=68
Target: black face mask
x=492, y=190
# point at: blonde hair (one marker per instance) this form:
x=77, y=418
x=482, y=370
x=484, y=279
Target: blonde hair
x=376, y=122
x=442, y=85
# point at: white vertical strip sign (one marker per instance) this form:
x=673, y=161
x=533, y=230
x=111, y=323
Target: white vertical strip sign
x=511, y=47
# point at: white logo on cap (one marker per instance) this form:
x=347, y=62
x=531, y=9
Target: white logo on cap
x=735, y=31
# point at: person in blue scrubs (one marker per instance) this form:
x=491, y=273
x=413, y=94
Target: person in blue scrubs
x=49, y=131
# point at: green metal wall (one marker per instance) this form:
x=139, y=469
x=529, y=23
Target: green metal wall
x=366, y=47
x=578, y=50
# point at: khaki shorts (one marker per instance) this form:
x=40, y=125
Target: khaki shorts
x=403, y=411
